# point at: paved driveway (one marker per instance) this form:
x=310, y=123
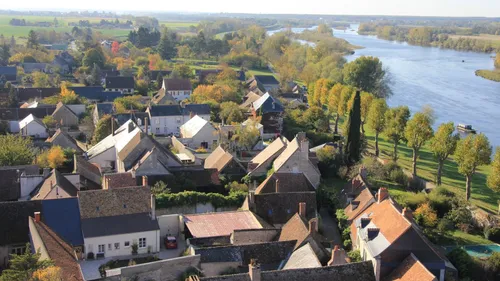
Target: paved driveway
x=329, y=227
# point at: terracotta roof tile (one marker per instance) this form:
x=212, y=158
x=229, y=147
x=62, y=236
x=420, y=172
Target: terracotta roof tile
x=218, y=159
x=60, y=252
x=118, y=180
x=411, y=269
x=271, y=151
x=220, y=224
x=359, y=204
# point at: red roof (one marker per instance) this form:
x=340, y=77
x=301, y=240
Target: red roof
x=220, y=224
x=411, y=269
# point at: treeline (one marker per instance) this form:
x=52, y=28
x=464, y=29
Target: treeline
x=103, y=23
x=428, y=36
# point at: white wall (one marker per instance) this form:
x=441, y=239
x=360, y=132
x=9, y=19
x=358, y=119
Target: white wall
x=152, y=239
x=34, y=129
x=169, y=225
x=180, y=95
x=206, y=134
x=104, y=158
x=164, y=125
x=28, y=184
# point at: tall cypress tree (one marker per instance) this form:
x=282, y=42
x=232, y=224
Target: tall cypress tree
x=353, y=143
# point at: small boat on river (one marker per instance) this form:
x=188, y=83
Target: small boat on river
x=466, y=128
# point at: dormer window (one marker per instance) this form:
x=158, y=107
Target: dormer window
x=97, y=208
x=372, y=233
x=124, y=206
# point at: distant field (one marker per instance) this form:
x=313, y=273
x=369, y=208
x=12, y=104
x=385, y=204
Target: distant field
x=494, y=39
x=22, y=31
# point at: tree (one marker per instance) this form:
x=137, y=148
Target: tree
x=95, y=76
x=40, y=79
x=442, y=145
x=22, y=267
x=333, y=103
x=160, y=187
x=471, y=152
x=426, y=216
x=15, y=150
x=417, y=132
x=230, y=112
x=247, y=136
x=94, y=56
x=366, y=101
x=49, y=121
x=51, y=273
x=52, y=158
x=166, y=47
x=32, y=42
x=103, y=128
x=376, y=119
x=497, y=60
x=367, y=74
x=159, y=81
x=493, y=181
x=353, y=143
x=181, y=71
x=395, y=124
x=4, y=54
x=115, y=47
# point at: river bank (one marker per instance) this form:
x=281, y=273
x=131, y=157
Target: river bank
x=493, y=75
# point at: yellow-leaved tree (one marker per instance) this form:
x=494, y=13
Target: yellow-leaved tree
x=52, y=158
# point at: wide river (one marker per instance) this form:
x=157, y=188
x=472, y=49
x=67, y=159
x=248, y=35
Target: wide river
x=436, y=77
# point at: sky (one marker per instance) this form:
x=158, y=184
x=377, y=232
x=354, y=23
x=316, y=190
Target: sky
x=456, y=8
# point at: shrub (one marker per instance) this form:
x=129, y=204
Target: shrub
x=462, y=261
x=134, y=248
x=355, y=256
x=444, y=225
x=236, y=186
x=492, y=266
x=390, y=167
x=493, y=234
x=399, y=177
x=426, y=216
x=414, y=200
x=459, y=214
x=234, y=199
x=347, y=243
x=440, y=202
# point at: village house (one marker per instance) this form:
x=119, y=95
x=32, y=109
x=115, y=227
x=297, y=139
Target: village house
x=53, y=247
x=9, y=72
x=167, y=119
x=177, y=88
x=224, y=163
x=198, y=132
x=90, y=174
x=14, y=115
x=249, y=99
x=64, y=116
x=14, y=237
x=267, y=82
x=63, y=139
x=33, y=127
x=387, y=235
x=141, y=119
x=120, y=84
x=262, y=162
x=31, y=67
x=119, y=180
x=115, y=221
x=271, y=110
x=56, y=186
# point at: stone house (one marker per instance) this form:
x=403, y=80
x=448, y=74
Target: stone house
x=262, y=162
x=33, y=126
x=271, y=110
x=120, y=84
x=64, y=116
x=177, y=88
x=64, y=140
x=198, y=132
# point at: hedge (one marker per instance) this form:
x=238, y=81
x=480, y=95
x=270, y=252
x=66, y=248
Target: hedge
x=189, y=198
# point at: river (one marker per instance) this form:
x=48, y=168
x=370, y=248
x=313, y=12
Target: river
x=436, y=77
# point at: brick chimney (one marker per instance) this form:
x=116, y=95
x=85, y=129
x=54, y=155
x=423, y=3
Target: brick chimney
x=277, y=186
x=144, y=181
x=407, y=213
x=254, y=270
x=302, y=209
x=382, y=194
x=313, y=226
x=146, y=125
x=105, y=183
x=37, y=216
x=339, y=256
x=153, y=207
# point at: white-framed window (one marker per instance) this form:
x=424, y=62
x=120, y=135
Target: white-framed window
x=101, y=248
x=117, y=246
x=142, y=242
x=157, y=121
x=18, y=250
x=109, y=247
x=126, y=244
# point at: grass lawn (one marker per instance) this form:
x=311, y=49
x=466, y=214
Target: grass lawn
x=178, y=24
x=252, y=72
x=459, y=238
x=482, y=196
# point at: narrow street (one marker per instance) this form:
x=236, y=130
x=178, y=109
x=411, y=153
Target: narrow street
x=329, y=227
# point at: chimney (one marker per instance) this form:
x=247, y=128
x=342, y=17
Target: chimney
x=37, y=216
x=254, y=270
x=105, y=184
x=338, y=256
x=302, y=209
x=277, y=186
x=146, y=125
x=382, y=194
x=153, y=207
x=144, y=181
x=251, y=197
x=313, y=226
x=46, y=172
x=407, y=213
x=112, y=125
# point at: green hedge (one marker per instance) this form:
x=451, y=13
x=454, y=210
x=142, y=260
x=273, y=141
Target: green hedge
x=234, y=199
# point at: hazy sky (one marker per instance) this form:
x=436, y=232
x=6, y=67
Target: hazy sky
x=489, y=8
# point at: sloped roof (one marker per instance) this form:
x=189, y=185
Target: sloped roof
x=218, y=159
x=30, y=118
x=122, y=118
x=266, y=79
x=360, y=203
x=105, y=108
x=63, y=216
x=303, y=257
x=288, y=182
x=107, y=226
x=120, y=82
x=10, y=190
x=278, y=208
x=193, y=126
x=55, y=180
x=270, y=151
x=114, y=202
x=16, y=114
x=411, y=269
x=60, y=106
x=177, y=110
x=59, y=252
x=220, y=224
x=87, y=169
x=8, y=70
x=14, y=220
x=118, y=180
x=267, y=103
x=62, y=134
x=251, y=97
x=177, y=84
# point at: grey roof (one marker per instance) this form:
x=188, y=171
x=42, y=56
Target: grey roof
x=122, y=118
x=8, y=70
x=303, y=257
x=14, y=220
x=120, y=82
x=376, y=245
x=266, y=79
x=113, y=225
x=104, y=108
x=177, y=110
x=34, y=66
x=267, y=103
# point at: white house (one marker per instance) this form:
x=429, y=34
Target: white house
x=32, y=126
x=177, y=88
x=198, y=132
x=115, y=221
x=167, y=119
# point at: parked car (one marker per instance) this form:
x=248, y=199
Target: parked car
x=170, y=242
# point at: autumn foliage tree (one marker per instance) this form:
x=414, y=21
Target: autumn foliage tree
x=494, y=177
x=426, y=216
x=115, y=47
x=215, y=93
x=52, y=158
x=471, y=152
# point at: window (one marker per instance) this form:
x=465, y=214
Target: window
x=178, y=120
x=18, y=250
x=100, y=248
x=157, y=121
x=142, y=242
x=126, y=244
x=109, y=247
x=117, y=246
